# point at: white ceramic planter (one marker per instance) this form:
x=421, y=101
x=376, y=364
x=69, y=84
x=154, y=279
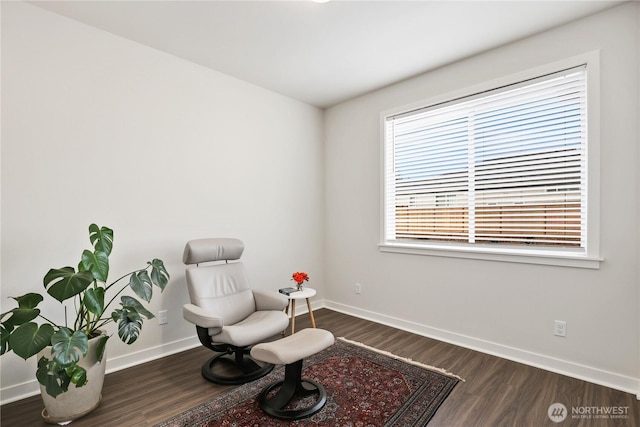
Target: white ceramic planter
x=76, y=402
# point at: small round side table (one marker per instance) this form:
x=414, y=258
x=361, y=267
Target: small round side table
x=305, y=293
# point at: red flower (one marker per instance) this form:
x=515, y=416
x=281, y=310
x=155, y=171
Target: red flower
x=300, y=277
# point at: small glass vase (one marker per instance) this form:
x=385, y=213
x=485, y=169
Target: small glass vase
x=300, y=287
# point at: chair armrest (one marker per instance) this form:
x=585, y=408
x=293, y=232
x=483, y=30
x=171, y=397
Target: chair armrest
x=201, y=317
x=269, y=300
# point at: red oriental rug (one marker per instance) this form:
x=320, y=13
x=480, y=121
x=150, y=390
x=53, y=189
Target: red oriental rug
x=365, y=387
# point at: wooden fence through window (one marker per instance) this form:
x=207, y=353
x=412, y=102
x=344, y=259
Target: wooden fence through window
x=548, y=225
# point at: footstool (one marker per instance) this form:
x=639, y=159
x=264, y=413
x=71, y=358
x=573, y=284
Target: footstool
x=290, y=351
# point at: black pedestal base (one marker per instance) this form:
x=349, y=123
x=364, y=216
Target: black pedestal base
x=238, y=360
x=292, y=386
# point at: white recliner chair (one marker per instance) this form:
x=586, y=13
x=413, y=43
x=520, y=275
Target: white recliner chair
x=229, y=316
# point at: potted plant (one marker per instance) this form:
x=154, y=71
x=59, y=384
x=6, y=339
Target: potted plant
x=63, y=352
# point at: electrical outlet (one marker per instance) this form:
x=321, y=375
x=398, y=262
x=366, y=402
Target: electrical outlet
x=560, y=328
x=163, y=317
x=358, y=288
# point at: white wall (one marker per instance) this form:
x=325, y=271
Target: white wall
x=506, y=309
x=96, y=128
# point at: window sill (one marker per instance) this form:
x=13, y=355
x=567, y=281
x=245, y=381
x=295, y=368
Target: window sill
x=493, y=254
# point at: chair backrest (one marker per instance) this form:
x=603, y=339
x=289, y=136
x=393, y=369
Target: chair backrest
x=222, y=289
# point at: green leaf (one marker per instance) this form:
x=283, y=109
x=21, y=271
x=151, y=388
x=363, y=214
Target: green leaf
x=68, y=346
x=43, y=370
x=101, y=347
x=129, y=330
x=131, y=304
x=65, y=283
x=129, y=318
x=94, y=300
x=129, y=325
x=5, y=334
x=141, y=285
x=28, y=339
x=159, y=274
x=30, y=300
x=25, y=312
x=97, y=263
x=101, y=238
x=123, y=314
x=77, y=374
x=21, y=315
x=52, y=376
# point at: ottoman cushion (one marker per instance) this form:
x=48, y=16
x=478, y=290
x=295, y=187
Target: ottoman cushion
x=295, y=347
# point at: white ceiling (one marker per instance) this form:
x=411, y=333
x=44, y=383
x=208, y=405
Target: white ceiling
x=325, y=53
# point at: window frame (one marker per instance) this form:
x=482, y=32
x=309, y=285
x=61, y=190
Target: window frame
x=590, y=257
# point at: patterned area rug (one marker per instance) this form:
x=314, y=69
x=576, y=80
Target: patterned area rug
x=365, y=387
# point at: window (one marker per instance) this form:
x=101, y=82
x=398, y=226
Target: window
x=503, y=171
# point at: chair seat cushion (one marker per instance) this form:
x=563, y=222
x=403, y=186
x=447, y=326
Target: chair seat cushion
x=258, y=326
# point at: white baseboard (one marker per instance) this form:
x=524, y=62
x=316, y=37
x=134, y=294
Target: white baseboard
x=564, y=367
x=586, y=373
x=32, y=388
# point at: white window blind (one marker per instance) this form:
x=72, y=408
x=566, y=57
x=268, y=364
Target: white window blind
x=504, y=167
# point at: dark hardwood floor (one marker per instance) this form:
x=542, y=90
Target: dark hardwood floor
x=496, y=392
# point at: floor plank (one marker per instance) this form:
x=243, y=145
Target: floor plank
x=496, y=392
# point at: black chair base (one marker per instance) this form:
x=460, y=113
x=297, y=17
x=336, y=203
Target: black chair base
x=249, y=369
x=292, y=386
